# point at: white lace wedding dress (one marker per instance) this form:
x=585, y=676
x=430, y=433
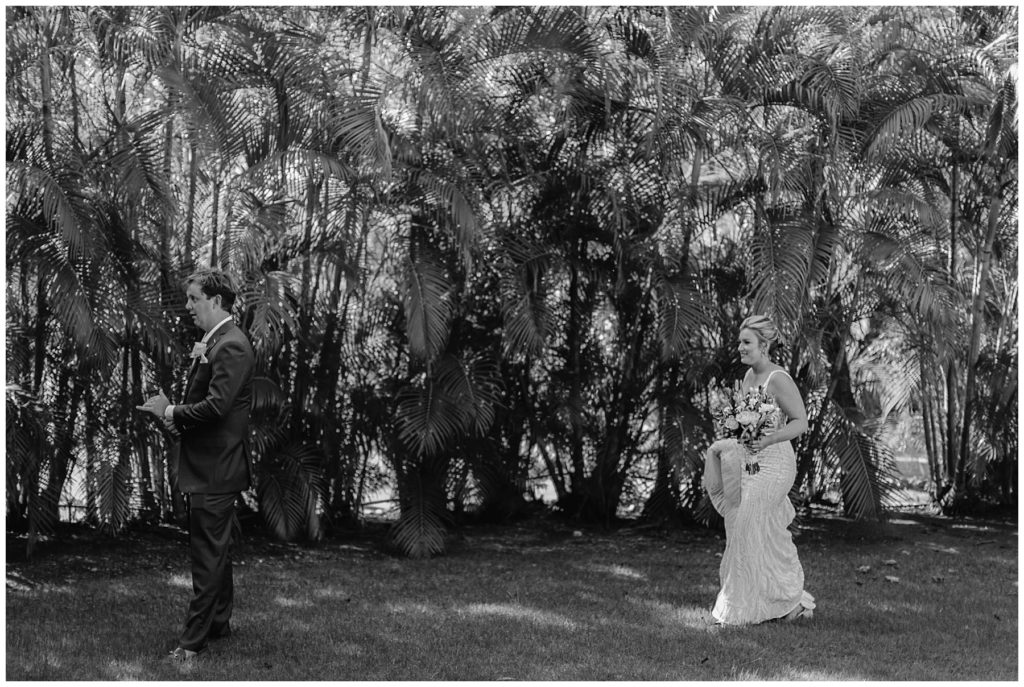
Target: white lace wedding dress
x=760, y=573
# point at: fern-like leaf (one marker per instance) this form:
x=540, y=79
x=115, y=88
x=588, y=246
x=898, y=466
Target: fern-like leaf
x=911, y=116
x=428, y=308
x=780, y=256
x=682, y=313
x=420, y=530
x=427, y=418
x=867, y=466
x=290, y=487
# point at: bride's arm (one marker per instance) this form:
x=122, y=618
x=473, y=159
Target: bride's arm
x=787, y=396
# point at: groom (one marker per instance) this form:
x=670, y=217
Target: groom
x=213, y=464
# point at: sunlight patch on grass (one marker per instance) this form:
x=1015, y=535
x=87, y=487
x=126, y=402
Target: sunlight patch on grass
x=124, y=590
x=614, y=570
x=799, y=674
x=903, y=521
x=517, y=612
x=38, y=657
x=410, y=607
x=591, y=596
x=41, y=589
x=183, y=580
x=187, y=667
x=693, y=617
x=898, y=608
x=125, y=670
x=974, y=527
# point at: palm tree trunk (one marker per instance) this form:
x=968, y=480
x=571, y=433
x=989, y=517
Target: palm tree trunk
x=42, y=315
x=950, y=426
x=307, y=299
x=337, y=321
x=951, y=375
x=215, y=210
x=573, y=344
x=806, y=458
x=928, y=419
x=662, y=503
x=46, y=93
x=68, y=403
x=977, y=319
x=190, y=210
x=689, y=221
x=163, y=372
x=148, y=505
x=24, y=353
x=342, y=466
x=45, y=83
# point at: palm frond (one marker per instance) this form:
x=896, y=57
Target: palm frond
x=909, y=117
x=535, y=31
x=455, y=206
x=28, y=451
x=924, y=288
x=427, y=418
x=290, y=488
x=682, y=313
x=909, y=202
x=526, y=313
x=270, y=304
x=139, y=164
x=780, y=260
x=111, y=483
x=428, y=308
x=474, y=388
x=60, y=212
x=356, y=127
x=420, y=530
x=867, y=465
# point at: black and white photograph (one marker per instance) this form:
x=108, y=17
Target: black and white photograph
x=512, y=343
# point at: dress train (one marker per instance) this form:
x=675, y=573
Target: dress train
x=761, y=576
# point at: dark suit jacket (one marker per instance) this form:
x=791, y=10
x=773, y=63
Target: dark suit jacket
x=214, y=418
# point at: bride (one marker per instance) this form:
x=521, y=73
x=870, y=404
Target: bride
x=760, y=573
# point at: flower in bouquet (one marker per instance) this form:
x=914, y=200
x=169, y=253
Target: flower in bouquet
x=745, y=417
x=748, y=418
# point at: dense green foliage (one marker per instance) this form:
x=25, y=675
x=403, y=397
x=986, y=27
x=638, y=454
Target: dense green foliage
x=479, y=245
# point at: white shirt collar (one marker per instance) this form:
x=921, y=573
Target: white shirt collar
x=207, y=335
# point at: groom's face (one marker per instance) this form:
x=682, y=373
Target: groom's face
x=205, y=310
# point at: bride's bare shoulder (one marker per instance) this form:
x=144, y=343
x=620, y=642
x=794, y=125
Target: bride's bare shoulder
x=781, y=378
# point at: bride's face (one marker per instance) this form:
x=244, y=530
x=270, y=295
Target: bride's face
x=747, y=345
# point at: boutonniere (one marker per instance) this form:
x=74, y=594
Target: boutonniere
x=199, y=351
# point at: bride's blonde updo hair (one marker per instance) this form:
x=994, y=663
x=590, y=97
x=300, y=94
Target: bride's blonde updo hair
x=764, y=329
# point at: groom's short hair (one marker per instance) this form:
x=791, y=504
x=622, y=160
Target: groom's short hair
x=215, y=282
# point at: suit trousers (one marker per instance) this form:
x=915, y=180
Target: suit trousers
x=211, y=525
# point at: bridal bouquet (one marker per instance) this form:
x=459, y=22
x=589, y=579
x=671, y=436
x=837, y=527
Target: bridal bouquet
x=744, y=417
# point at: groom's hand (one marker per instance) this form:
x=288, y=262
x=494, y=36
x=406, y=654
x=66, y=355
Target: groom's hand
x=171, y=427
x=155, y=405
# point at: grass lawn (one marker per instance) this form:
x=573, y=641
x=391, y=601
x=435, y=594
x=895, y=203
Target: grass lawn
x=535, y=602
